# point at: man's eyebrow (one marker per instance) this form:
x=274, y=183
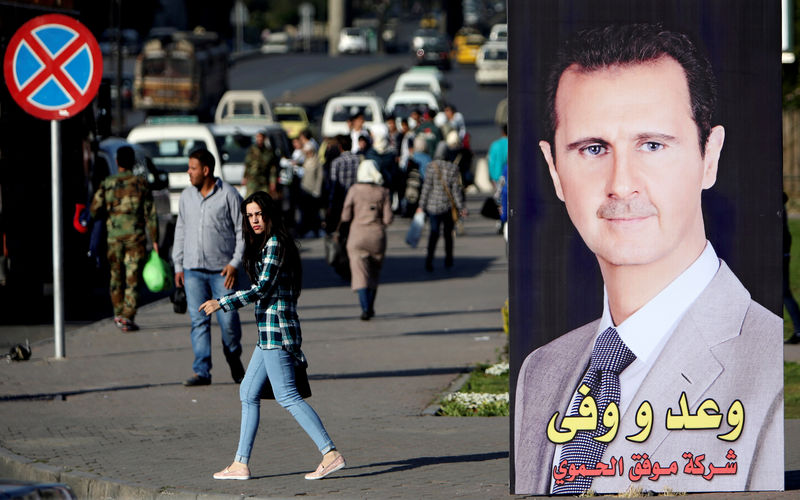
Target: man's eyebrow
x=583, y=142
x=649, y=136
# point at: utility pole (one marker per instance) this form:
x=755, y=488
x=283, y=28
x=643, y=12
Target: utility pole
x=335, y=25
x=118, y=76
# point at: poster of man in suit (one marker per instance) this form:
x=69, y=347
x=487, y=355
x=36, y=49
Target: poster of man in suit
x=656, y=362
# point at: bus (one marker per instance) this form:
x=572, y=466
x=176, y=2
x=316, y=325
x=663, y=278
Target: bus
x=181, y=72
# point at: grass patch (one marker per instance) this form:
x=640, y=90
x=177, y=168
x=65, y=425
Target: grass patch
x=484, y=394
x=794, y=275
x=791, y=389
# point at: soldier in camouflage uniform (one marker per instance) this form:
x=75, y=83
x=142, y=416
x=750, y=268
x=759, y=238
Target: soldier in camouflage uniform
x=127, y=205
x=261, y=168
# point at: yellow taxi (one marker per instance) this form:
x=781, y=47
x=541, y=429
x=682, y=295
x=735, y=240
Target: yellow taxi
x=467, y=52
x=292, y=117
x=461, y=36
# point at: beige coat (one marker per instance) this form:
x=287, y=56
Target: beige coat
x=369, y=211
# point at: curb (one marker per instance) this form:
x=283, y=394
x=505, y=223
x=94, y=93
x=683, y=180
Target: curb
x=455, y=386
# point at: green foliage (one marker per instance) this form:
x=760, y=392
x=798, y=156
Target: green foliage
x=791, y=390
x=456, y=409
x=481, y=382
x=794, y=275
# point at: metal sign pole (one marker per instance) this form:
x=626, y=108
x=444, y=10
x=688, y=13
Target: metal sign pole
x=58, y=273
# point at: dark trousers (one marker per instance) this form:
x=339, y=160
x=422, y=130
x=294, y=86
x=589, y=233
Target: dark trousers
x=437, y=221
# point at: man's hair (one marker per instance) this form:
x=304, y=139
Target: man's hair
x=345, y=143
x=126, y=158
x=632, y=44
x=205, y=158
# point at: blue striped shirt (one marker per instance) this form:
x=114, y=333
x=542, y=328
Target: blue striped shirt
x=275, y=302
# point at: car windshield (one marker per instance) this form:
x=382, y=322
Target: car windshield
x=288, y=116
x=495, y=55
x=342, y=113
x=172, y=155
x=233, y=146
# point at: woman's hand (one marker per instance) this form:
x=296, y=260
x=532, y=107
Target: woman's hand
x=210, y=307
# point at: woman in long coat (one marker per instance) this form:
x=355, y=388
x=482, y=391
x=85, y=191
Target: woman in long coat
x=367, y=207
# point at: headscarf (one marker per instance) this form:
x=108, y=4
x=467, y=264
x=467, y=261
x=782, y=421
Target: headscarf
x=368, y=172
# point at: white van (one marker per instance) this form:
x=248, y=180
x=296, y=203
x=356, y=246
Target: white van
x=401, y=103
x=169, y=146
x=499, y=33
x=340, y=108
x=419, y=80
x=243, y=106
x=492, y=64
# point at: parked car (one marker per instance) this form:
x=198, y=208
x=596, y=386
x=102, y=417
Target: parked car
x=243, y=106
x=419, y=80
x=13, y=488
x=468, y=51
x=499, y=32
x=339, y=109
x=492, y=64
x=352, y=41
x=292, y=117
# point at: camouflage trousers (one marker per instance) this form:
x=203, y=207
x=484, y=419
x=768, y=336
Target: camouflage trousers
x=125, y=259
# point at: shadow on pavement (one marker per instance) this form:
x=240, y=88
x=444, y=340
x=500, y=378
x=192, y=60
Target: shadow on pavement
x=415, y=463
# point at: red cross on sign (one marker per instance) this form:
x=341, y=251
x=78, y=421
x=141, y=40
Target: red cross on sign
x=53, y=67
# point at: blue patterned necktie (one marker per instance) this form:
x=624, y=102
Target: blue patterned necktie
x=609, y=357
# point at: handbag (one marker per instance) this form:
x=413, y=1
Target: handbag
x=336, y=250
x=300, y=381
x=178, y=299
x=490, y=209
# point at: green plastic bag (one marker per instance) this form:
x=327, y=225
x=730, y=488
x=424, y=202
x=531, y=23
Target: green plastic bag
x=156, y=273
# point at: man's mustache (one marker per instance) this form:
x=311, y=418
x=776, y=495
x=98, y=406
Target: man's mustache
x=634, y=208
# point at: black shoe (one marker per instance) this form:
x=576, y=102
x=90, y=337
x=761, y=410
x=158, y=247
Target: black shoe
x=196, y=380
x=237, y=370
x=794, y=339
x=365, y=316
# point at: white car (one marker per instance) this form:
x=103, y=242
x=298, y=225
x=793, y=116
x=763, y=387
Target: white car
x=244, y=106
x=499, y=33
x=492, y=64
x=170, y=144
x=401, y=103
x=340, y=108
x=352, y=41
x=419, y=80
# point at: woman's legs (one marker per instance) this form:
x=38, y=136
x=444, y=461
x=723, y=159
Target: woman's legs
x=280, y=368
x=249, y=394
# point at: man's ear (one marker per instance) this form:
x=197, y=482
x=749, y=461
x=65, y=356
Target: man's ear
x=548, y=157
x=711, y=160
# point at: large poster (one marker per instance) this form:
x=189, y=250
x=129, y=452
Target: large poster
x=645, y=246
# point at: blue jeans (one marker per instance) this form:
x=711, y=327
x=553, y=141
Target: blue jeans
x=437, y=220
x=202, y=285
x=278, y=366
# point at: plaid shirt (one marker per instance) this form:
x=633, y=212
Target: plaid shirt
x=433, y=198
x=275, y=300
x=343, y=172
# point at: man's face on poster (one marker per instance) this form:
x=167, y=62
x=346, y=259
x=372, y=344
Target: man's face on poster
x=627, y=162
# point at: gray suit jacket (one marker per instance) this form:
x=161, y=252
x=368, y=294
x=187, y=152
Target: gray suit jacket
x=726, y=347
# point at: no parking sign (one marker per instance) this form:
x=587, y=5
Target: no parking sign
x=53, y=67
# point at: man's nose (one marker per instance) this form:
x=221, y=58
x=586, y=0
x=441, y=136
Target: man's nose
x=623, y=177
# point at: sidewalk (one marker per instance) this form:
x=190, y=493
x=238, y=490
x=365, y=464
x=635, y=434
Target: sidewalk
x=113, y=420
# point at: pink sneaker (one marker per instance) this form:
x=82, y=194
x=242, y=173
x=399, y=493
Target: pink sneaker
x=226, y=473
x=338, y=463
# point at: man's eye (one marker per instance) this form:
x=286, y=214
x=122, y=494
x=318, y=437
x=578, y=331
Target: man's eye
x=652, y=146
x=594, y=149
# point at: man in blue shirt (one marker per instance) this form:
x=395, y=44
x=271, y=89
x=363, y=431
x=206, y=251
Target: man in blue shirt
x=207, y=252
x=498, y=155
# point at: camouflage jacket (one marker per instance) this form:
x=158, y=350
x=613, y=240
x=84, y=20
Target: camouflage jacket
x=260, y=169
x=127, y=205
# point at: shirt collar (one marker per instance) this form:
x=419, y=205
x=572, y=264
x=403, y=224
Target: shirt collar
x=649, y=327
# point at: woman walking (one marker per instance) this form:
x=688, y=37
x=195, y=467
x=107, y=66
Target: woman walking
x=368, y=206
x=272, y=262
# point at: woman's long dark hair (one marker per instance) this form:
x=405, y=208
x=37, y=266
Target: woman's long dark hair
x=274, y=226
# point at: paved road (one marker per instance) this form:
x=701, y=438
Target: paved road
x=115, y=409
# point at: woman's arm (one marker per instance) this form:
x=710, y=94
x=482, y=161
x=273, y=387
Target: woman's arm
x=267, y=281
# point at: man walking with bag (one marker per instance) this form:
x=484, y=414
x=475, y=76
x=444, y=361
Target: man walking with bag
x=126, y=203
x=207, y=252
